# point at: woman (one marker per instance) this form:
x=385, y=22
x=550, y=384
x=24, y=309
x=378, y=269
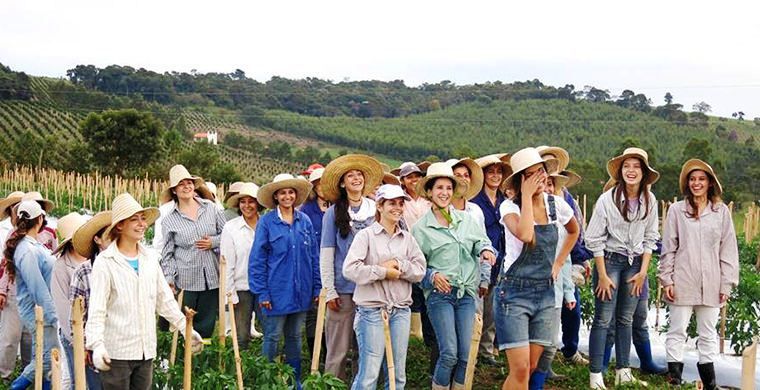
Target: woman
x=127, y=291
x=622, y=234
x=524, y=297
x=283, y=268
x=459, y=258
x=468, y=171
x=235, y=247
x=346, y=182
x=88, y=242
x=384, y=260
x=30, y=265
x=410, y=174
x=699, y=267
x=192, y=232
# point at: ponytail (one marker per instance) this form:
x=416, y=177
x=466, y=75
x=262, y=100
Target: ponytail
x=23, y=225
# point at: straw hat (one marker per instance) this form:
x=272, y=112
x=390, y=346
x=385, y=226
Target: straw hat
x=476, y=175
x=573, y=177
x=82, y=238
x=47, y=205
x=67, y=225
x=562, y=156
x=179, y=173
x=334, y=171
x=283, y=180
x=524, y=159
x=212, y=188
x=697, y=164
x=388, y=177
x=247, y=189
x=12, y=199
x=441, y=169
x=613, y=166
x=234, y=189
x=559, y=182
x=125, y=206
x=316, y=174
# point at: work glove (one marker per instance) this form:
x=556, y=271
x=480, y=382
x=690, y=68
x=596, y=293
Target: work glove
x=100, y=358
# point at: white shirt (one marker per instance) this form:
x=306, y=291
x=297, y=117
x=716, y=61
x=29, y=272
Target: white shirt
x=158, y=234
x=124, y=303
x=235, y=247
x=513, y=246
x=474, y=210
x=5, y=229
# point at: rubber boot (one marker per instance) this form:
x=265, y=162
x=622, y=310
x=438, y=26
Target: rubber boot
x=537, y=380
x=707, y=375
x=20, y=383
x=675, y=370
x=648, y=366
x=296, y=364
x=606, y=359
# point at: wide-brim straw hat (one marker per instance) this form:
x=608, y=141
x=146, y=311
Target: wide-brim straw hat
x=694, y=165
x=234, y=189
x=9, y=201
x=574, y=178
x=178, y=173
x=47, y=205
x=476, y=175
x=82, y=238
x=613, y=166
x=125, y=206
x=562, y=156
x=389, y=178
x=438, y=170
x=491, y=159
x=283, y=180
x=560, y=181
x=334, y=171
x=524, y=159
x=67, y=225
x=247, y=189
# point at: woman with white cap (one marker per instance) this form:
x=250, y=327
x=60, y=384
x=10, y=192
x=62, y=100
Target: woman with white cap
x=30, y=265
x=128, y=290
x=459, y=257
x=622, y=235
x=698, y=268
x=524, y=297
x=346, y=182
x=192, y=232
x=284, y=254
x=235, y=247
x=384, y=260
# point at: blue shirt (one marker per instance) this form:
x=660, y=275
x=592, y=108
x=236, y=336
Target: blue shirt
x=331, y=238
x=494, y=229
x=34, y=267
x=579, y=253
x=283, y=267
x=315, y=214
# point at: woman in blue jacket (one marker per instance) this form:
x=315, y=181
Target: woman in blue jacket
x=284, y=267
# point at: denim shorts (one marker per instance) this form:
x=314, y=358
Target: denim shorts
x=523, y=311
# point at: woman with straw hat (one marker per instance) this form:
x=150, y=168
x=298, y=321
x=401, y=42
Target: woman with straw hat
x=467, y=170
x=235, y=247
x=384, y=260
x=67, y=262
x=30, y=265
x=523, y=298
x=346, y=182
x=698, y=268
x=192, y=232
x=283, y=269
x=167, y=202
x=127, y=291
x=88, y=241
x=459, y=258
x=622, y=235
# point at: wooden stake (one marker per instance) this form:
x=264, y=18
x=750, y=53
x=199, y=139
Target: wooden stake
x=188, y=375
x=222, y=297
x=749, y=360
x=477, y=332
x=38, y=334
x=55, y=369
x=658, y=303
x=318, y=331
x=723, y=311
x=235, y=346
x=173, y=352
x=388, y=350
x=77, y=326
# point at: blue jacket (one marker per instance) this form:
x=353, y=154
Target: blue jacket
x=34, y=267
x=315, y=214
x=283, y=267
x=494, y=228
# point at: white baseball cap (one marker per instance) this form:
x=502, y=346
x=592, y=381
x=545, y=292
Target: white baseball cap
x=390, y=191
x=31, y=208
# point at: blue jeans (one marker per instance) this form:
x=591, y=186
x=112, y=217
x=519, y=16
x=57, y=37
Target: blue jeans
x=49, y=341
x=618, y=310
x=571, y=326
x=275, y=327
x=524, y=312
x=91, y=376
x=370, y=335
x=452, y=321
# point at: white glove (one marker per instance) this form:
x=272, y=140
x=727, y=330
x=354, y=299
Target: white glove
x=100, y=358
x=196, y=342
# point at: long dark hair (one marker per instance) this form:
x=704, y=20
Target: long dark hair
x=712, y=196
x=23, y=225
x=619, y=192
x=342, y=219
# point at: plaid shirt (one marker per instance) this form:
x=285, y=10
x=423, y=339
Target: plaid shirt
x=80, y=287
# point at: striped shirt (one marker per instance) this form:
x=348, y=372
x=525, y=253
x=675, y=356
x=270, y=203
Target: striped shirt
x=185, y=266
x=80, y=287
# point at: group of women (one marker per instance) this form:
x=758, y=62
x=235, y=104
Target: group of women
x=496, y=236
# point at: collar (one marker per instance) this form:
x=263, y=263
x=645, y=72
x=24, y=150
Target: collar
x=483, y=198
x=378, y=229
x=432, y=222
x=201, y=203
x=113, y=253
x=279, y=215
x=243, y=225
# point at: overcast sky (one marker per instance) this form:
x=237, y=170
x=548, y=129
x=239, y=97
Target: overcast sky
x=698, y=51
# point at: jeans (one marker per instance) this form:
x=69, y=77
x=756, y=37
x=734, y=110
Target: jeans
x=618, y=310
x=452, y=320
x=639, y=326
x=571, y=326
x=524, y=312
x=275, y=327
x=49, y=341
x=91, y=376
x=370, y=335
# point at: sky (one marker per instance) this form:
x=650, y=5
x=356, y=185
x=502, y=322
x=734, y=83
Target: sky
x=698, y=51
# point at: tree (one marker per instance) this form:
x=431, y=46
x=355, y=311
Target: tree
x=738, y=115
x=668, y=98
x=697, y=148
x=123, y=141
x=702, y=107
